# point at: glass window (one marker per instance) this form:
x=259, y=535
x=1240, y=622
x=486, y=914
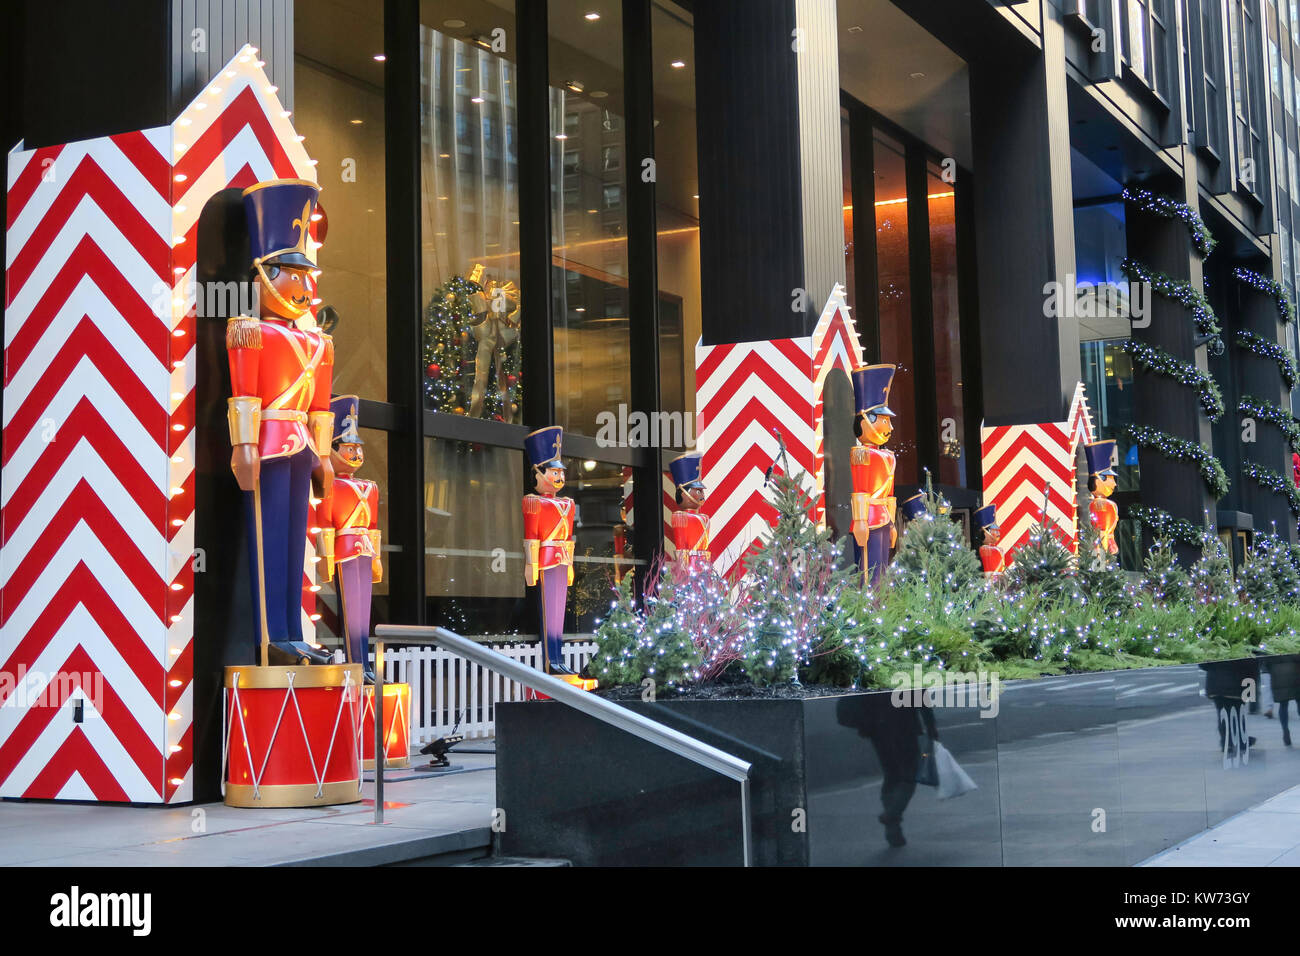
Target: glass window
x=589, y=308
x=677, y=210
x=469, y=181
x=894, y=296
x=339, y=109
x=846, y=172
x=953, y=453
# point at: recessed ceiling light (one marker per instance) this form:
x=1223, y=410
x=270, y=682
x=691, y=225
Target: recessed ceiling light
x=574, y=85
x=561, y=137
x=380, y=58
x=454, y=24
x=855, y=29
x=591, y=212
x=444, y=155
x=593, y=16
x=677, y=64
x=918, y=76
x=580, y=309
x=696, y=196
x=598, y=94
x=355, y=122
x=476, y=99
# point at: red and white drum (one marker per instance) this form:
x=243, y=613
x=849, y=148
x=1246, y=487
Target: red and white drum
x=289, y=736
x=397, y=726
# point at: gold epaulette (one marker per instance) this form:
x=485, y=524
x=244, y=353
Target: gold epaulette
x=532, y=504
x=858, y=455
x=243, y=332
x=329, y=350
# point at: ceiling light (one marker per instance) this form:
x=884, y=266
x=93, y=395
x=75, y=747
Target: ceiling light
x=561, y=136
x=588, y=465
x=476, y=99
x=855, y=29
x=677, y=64
x=574, y=85
x=380, y=58
x=355, y=122
x=593, y=16
x=598, y=94
x=453, y=24
x=917, y=76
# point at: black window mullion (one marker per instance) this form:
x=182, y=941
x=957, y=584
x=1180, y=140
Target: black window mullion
x=863, y=186
x=918, y=257
x=402, y=260
x=643, y=281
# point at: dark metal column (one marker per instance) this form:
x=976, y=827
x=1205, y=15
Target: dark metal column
x=643, y=281
x=402, y=172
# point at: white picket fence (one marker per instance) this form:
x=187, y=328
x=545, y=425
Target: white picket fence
x=444, y=686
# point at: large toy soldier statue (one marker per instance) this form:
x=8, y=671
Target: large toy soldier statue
x=350, y=537
x=548, y=547
x=992, y=557
x=690, y=525
x=280, y=422
x=874, y=504
x=1101, y=482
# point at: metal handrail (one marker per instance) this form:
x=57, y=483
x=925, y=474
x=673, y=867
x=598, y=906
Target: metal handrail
x=661, y=735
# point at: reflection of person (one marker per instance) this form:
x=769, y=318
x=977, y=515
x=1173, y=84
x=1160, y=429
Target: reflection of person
x=690, y=525
x=1284, y=674
x=991, y=555
x=350, y=534
x=872, y=469
x=1103, y=512
x=280, y=422
x=894, y=733
x=1225, y=685
x=548, y=547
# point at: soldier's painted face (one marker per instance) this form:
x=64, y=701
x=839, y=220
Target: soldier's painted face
x=876, y=429
x=550, y=480
x=1104, y=485
x=992, y=534
x=347, y=457
x=293, y=284
x=694, y=497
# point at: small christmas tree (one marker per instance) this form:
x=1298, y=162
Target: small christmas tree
x=1043, y=564
x=618, y=637
x=456, y=310
x=1255, y=578
x=1162, y=576
x=1101, y=579
x=1286, y=580
x=1211, y=575
x=933, y=552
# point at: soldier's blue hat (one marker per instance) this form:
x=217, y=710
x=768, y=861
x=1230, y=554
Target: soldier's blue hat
x=279, y=218
x=914, y=507
x=986, y=517
x=344, y=408
x=543, y=447
x=1100, y=454
x=871, y=388
x=686, y=470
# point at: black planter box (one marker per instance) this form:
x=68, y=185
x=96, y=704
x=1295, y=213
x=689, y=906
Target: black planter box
x=1089, y=769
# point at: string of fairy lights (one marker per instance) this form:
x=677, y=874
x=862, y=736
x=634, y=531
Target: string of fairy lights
x=1270, y=287
x=1156, y=360
x=1168, y=208
x=1180, y=449
x=1182, y=292
x=1275, y=415
x=1252, y=342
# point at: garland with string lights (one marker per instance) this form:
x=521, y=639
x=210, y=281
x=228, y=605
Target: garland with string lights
x=1261, y=346
x=1167, y=208
x=1157, y=361
x=1180, y=291
x=1286, y=311
x=1166, y=525
x=1274, y=482
x=1275, y=415
x=1180, y=449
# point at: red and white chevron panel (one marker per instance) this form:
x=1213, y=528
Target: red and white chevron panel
x=97, y=476
x=670, y=505
x=835, y=346
x=745, y=393
x=1020, y=461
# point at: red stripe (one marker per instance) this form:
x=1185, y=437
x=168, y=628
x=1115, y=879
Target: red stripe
x=90, y=181
x=1049, y=457
x=136, y=147
x=244, y=111
x=25, y=185
x=76, y=755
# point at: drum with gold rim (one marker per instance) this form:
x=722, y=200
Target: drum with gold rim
x=397, y=726
x=290, y=735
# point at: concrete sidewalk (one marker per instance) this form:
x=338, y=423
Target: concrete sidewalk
x=425, y=816
x=1266, y=835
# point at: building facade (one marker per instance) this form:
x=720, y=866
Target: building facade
x=638, y=176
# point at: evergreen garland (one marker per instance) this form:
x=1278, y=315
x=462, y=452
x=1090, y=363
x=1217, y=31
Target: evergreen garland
x=1274, y=414
x=1157, y=361
x=1274, y=482
x=1182, y=292
x=1166, y=525
x=1286, y=311
x=1168, y=208
x=1261, y=346
x=1180, y=449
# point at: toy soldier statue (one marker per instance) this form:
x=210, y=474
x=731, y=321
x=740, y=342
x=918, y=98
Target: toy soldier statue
x=873, y=500
x=622, y=559
x=690, y=525
x=1101, y=482
x=548, y=547
x=350, y=534
x=280, y=422
x=995, y=561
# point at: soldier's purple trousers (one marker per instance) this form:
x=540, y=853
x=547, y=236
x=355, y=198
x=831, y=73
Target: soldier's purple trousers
x=876, y=553
x=553, y=588
x=355, y=587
